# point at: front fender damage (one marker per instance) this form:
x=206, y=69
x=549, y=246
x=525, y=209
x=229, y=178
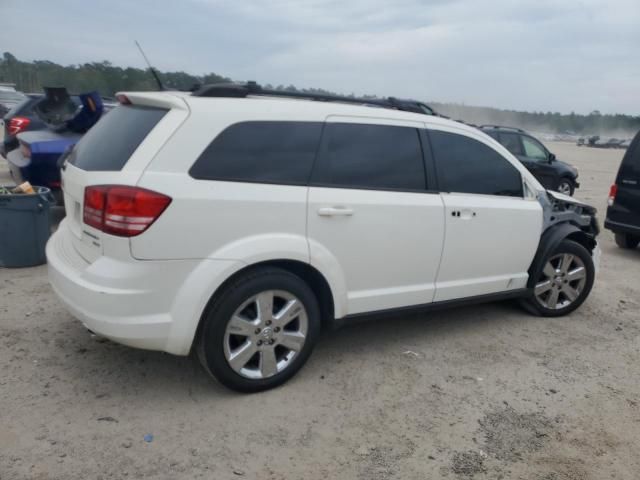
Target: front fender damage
x=563, y=217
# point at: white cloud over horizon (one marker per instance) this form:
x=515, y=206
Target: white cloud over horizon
x=526, y=55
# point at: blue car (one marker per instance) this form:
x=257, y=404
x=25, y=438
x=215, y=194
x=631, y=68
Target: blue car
x=65, y=122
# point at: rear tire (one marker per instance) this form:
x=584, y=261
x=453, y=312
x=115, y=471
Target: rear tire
x=564, y=282
x=260, y=330
x=627, y=241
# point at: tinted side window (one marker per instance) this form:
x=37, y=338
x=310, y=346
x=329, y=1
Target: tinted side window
x=534, y=149
x=371, y=157
x=511, y=141
x=266, y=152
x=465, y=165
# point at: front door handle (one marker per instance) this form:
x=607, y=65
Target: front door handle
x=465, y=214
x=335, y=212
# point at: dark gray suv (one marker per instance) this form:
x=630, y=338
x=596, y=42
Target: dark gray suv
x=552, y=173
x=623, y=214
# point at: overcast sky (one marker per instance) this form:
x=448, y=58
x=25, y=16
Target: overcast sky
x=522, y=54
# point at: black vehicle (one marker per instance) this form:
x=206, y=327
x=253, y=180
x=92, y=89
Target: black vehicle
x=550, y=172
x=623, y=214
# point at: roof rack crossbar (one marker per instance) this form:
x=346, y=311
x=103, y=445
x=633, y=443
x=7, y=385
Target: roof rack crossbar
x=236, y=90
x=502, y=126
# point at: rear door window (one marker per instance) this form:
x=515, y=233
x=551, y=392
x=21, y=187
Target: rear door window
x=110, y=143
x=465, y=165
x=264, y=152
x=378, y=157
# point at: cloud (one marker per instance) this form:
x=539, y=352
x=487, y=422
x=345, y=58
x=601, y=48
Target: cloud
x=534, y=55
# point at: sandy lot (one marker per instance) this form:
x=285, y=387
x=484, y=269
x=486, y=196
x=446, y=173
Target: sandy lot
x=486, y=392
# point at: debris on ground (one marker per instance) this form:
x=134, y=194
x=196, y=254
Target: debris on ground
x=107, y=419
x=468, y=463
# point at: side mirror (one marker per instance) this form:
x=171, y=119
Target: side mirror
x=551, y=157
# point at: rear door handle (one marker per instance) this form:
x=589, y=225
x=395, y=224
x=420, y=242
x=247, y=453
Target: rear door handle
x=335, y=212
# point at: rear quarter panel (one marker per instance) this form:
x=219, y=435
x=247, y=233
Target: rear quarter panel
x=220, y=219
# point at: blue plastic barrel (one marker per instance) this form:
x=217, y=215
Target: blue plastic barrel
x=25, y=227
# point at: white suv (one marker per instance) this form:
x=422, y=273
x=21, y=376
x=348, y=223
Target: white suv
x=235, y=222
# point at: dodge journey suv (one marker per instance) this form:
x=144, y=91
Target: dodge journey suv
x=236, y=222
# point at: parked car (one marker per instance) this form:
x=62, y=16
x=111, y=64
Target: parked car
x=593, y=140
x=8, y=100
x=613, y=143
x=238, y=221
x=550, y=172
x=20, y=118
x=623, y=214
x=59, y=123
x=597, y=142
x=26, y=116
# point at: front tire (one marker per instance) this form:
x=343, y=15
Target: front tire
x=260, y=330
x=566, y=187
x=627, y=241
x=564, y=282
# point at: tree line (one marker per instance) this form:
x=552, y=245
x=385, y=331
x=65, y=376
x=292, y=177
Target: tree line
x=107, y=79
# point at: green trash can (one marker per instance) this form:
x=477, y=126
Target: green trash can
x=25, y=227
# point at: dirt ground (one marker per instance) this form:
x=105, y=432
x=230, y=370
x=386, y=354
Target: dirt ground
x=485, y=392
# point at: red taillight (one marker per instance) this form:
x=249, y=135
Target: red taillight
x=17, y=125
x=121, y=210
x=613, y=191
x=123, y=99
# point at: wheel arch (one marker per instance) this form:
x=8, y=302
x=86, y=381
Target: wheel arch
x=550, y=240
x=309, y=274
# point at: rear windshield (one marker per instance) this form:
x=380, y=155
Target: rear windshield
x=108, y=145
x=18, y=107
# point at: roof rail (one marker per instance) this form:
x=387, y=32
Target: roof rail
x=502, y=126
x=240, y=90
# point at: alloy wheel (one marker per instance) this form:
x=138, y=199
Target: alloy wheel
x=564, y=187
x=563, y=279
x=265, y=334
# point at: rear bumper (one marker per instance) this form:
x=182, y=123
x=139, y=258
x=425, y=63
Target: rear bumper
x=155, y=305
